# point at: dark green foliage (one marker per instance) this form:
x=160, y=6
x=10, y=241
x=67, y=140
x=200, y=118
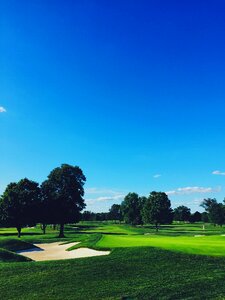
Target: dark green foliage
x=91, y=216
x=62, y=196
x=196, y=217
x=88, y=216
x=217, y=214
x=103, y=216
x=215, y=210
x=131, y=208
x=115, y=212
x=157, y=209
x=205, y=217
x=181, y=213
x=207, y=203
x=19, y=204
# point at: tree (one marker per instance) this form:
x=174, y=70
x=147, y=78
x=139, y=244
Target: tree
x=205, y=217
x=182, y=213
x=196, y=217
x=115, y=212
x=131, y=208
x=217, y=214
x=88, y=216
x=19, y=204
x=208, y=203
x=215, y=210
x=157, y=209
x=63, y=195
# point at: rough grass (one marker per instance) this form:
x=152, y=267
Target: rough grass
x=129, y=273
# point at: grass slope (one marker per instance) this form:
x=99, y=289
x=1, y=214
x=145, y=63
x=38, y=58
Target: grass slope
x=15, y=244
x=129, y=273
x=8, y=248
x=9, y=256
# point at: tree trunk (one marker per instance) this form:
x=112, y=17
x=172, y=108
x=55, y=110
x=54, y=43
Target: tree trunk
x=19, y=231
x=61, y=231
x=43, y=228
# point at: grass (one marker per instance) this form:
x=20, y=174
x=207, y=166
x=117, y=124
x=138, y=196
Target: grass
x=129, y=273
x=142, y=264
x=9, y=256
x=204, y=245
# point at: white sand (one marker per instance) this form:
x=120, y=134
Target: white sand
x=56, y=251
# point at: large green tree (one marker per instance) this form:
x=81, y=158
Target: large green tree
x=217, y=214
x=182, y=213
x=215, y=210
x=196, y=217
x=63, y=195
x=208, y=203
x=115, y=212
x=19, y=204
x=157, y=209
x=131, y=208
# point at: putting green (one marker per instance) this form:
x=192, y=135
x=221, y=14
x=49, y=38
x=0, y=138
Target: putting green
x=205, y=245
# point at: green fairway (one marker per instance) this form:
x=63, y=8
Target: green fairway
x=143, y=264
x=208, y=245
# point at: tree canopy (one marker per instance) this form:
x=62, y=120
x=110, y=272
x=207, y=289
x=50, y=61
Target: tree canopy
x=131, y=208
x=157, y=209
x=63, y=195
x=19, y=204
x=115, y=212
x=215, y=211
x=182, y=213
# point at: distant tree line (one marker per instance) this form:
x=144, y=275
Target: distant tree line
x=135, y=210
x=58, y=200
x=156, y=209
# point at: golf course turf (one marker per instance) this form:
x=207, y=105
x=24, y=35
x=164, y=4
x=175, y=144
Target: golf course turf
x=142, y=264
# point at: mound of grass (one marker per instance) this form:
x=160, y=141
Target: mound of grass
x=8, y=256
x=15, y=244
x=90, y=241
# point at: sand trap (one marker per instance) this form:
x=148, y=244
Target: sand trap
x=199, y=235
x=56, y=251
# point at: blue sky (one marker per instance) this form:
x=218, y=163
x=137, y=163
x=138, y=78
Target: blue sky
x=125, y=89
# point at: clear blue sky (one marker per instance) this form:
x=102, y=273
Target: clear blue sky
x=125, y=89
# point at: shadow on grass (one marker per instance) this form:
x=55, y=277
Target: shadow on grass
x=95, y=232
x=22, y=233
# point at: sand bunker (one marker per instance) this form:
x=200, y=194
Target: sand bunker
x=56, y=251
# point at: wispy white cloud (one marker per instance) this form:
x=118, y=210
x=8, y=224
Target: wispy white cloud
x=157, y=175
x=97, y=195
x=91, y=201
x=2, y=109
x=95, y=190
x=218, y=173
x=193, y=203
x=192, y=190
